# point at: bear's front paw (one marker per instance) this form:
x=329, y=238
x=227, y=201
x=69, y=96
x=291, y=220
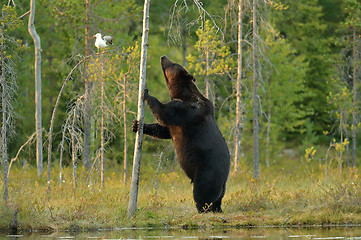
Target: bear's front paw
x=135, y=126
x=146, y=94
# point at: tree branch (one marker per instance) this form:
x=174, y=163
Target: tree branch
x=24, y=14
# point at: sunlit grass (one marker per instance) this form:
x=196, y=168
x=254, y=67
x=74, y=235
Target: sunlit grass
x=296, y=195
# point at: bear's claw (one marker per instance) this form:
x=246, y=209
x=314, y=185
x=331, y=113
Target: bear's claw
x=135, y=126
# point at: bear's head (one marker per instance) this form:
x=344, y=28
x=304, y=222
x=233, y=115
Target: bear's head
x=179, y=81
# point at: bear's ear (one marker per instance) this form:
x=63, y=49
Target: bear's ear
x=190, y=77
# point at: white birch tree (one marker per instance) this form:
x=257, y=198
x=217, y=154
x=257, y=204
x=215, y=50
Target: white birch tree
x=239, y=107
x=38, y=124
x=133, y=196
x=255, y=94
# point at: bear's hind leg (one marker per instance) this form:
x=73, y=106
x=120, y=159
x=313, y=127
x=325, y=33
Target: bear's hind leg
x=217, y=204
x=207, y=192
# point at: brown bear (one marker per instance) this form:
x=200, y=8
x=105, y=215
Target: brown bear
x=189, y=120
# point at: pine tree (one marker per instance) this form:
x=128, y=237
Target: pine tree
x=303, y=25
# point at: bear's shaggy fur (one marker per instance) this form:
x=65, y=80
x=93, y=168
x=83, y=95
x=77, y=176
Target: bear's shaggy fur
x=188, y=119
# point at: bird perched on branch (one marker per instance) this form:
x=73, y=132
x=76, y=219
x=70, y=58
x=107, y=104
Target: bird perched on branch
x=101, y=42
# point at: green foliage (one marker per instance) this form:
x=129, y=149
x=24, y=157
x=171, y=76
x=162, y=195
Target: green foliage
x=285, y=89
x=353, y=11
x=213, y=58
x=310, y=153
x=9, y=20
x=303, y=25
x=300, y=92
x=210, y=42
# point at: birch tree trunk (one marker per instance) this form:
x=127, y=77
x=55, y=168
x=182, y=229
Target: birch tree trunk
x=354, y=106
x=102, y=135
x=255, y=95
x=87, y=85
x=239, y=89
x=74, y=154
x=125, y=131
x=133, y=197
x=36, y=39
x=4, y=123
x=268, y=131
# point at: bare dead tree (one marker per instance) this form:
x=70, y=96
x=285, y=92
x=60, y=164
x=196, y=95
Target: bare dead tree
x=354, y=92
x=102, y=140
x=8, y=86
x=38, y=124
x=52, y=120
x=239, y=87
x=125, y=161
x=87, y=85
x=4, y=107
x=62, y=148
x=133, y=196
x=176, y=26
x=28, y=142
x=255, y=94
x=74, y=118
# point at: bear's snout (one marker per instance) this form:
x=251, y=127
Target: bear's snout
x=165, y=62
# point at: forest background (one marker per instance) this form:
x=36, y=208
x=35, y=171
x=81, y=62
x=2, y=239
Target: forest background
x=308, y=97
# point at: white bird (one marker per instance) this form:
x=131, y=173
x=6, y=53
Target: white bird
x=101, y=42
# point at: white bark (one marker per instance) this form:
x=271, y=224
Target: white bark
x=102, y=140
x=4, y=123
x=74, y=154
x=354, y=102
x=255, y=96
x=38, y=127
x=239, y=90
x=86, y=158
x=125, y=131
x=268, y=132
x=133, y=197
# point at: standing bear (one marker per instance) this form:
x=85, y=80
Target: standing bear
x=188, y=119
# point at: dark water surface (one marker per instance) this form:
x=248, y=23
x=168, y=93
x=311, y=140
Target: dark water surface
x=316, y=233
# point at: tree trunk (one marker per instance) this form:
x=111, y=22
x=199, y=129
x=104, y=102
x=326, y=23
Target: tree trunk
x=268, y=131
x=133, y=197
x=239, y=89
x=354, y=103
x=347, y=147
x=87, y=85
x=125, y=131
x=4, y=123
x=207, y=77
x=102, y=135
x=52, y=120
x=341, y=139
x=255, y=96
x=74, y=154
x=61, y=158
x=50, y=60
x=184, y=44
x=36, y=39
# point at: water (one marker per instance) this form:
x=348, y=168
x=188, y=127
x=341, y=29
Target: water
x=252, y=234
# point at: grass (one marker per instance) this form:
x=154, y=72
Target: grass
x=297, y=195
